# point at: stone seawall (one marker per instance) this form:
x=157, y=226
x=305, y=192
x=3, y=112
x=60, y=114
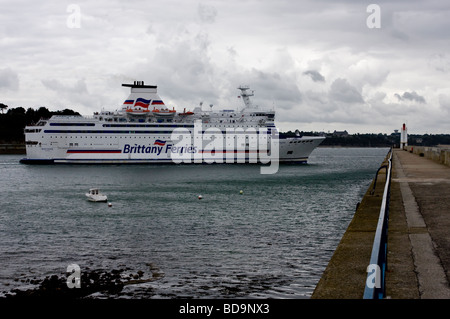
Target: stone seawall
x=439, y=154
x=418, y=264
x=346, y=273
x=12, y=149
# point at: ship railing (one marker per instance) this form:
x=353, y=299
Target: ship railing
x=78, y=117
x=376, y=278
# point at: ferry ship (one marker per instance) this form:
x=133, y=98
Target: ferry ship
x=145, y=130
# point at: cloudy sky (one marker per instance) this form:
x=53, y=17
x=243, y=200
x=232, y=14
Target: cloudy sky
x=323, y=65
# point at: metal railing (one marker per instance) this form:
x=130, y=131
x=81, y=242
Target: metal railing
x=376, y=271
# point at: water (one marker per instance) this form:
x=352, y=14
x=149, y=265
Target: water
x=272, y=241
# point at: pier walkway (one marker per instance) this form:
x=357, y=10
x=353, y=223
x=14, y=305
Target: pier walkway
x=418, y=262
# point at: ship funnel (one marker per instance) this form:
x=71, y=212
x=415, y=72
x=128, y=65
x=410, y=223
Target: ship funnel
x=142, y=98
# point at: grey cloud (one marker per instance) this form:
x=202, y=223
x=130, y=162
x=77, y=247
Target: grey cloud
x=76, y=93
x=184, y=66
x=203, y=52
x=444, y=102
x=411, y=96
x=207, y=13
x=9, y=80
x=273, y=87
x=315, y=75
x=55, y=85
x=342, y=91
x=440, y=62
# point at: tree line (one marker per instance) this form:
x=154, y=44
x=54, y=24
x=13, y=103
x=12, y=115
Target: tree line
x=13, y=122
x=376, y=140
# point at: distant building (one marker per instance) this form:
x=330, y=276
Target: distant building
x=340, y=133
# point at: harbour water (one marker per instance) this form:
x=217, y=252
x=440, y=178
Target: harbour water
x=272, y=241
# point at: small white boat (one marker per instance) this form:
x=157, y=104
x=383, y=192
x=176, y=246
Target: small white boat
x=94, y=195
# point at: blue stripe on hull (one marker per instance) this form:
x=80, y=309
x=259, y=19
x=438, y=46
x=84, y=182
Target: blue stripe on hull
x=140, y=161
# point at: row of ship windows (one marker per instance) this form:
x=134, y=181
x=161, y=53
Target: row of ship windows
x=310, y=141
x=170, y=125
x=111, y=144
x=139, y=125
x=125, y=132
x=115, y=137
x=146, y=125
x=121, y=125
x=152, y=133
x=230, y=125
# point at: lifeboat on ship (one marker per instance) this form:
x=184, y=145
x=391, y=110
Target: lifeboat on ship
x=137, y=111
x=186, y=113
x=163, y=112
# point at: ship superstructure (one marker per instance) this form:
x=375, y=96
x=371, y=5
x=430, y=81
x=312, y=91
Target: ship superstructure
x=145, y=130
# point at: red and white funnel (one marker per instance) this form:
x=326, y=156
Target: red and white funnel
x=143, y=98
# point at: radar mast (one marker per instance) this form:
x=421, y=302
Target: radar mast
x=246, y=95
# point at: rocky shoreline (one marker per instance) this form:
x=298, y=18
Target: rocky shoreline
x=91, y=281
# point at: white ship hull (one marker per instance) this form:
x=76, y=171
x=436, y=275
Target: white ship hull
x=291, y=150
x=142, y=137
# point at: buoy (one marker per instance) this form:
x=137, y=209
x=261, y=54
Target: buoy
x=200, y=196
x=109, y=204
x=241, y=192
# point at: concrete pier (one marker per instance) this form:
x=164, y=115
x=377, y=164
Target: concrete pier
x=418, y=235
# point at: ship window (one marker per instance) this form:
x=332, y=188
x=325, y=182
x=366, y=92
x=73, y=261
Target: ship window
x=289, y=152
